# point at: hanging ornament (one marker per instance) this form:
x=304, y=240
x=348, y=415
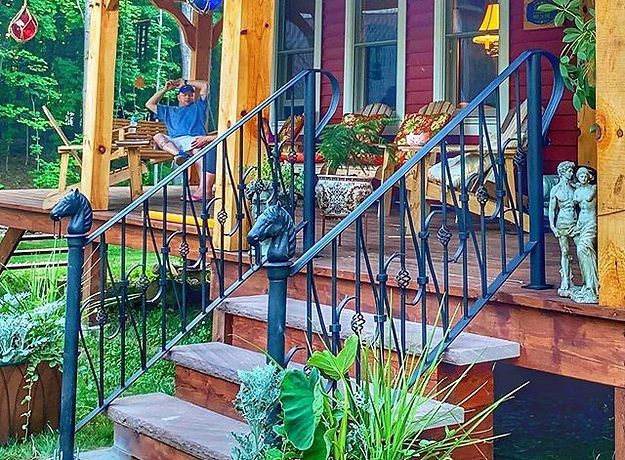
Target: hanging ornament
x=23, y=26
x=204, y=6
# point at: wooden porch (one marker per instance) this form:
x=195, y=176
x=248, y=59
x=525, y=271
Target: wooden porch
x=556, y=335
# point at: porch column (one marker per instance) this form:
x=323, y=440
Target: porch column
x=246, y=66
x=98, y=117
x=611, y=152
x=586, y=142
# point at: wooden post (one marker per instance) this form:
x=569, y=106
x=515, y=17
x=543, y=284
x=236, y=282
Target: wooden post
x=246, y=66
x=98, y=119
x=587, y=140
x=611, y=151
x=201, y=52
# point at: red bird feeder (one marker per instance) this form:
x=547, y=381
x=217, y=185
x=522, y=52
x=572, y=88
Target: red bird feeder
x=23, y=26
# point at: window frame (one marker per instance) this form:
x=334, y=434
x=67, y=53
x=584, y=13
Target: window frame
x=316, y=50
x=440, y=82
x=349, y=70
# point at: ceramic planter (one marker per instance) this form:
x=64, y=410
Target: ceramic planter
x=337, y=196
x=45, y=402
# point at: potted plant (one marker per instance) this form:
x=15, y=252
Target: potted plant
x=356, y=142
x=31, y=350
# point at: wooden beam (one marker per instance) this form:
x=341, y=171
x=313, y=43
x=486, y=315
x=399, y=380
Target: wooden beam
x=98, y=119
x=611, y=151
x=246, y=80
x=9, y=243
x=587, y=140
x=202, y=48
x=173, y=8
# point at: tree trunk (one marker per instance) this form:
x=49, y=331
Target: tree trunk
x=185, y=51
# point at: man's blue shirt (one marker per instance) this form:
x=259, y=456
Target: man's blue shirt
x=184, y=121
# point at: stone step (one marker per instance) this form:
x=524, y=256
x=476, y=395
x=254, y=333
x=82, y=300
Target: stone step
x=157, y=426
x=467, y=349
x=111, y=453
x=214, y=367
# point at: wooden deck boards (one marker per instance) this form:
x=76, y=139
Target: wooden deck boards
x=23, y=209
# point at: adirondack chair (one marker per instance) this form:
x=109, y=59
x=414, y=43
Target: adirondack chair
x=394, y=156
x=133, y=143
x=433, y=186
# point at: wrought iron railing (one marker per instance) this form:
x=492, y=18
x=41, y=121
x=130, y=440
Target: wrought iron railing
x=138, y=297
x=447, y=262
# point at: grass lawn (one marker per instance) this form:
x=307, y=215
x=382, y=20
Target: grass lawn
x=160, y=378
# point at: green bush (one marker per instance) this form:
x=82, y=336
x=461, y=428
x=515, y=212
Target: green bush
x=47, y=175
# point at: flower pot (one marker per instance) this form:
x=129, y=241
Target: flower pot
x=45, y=401
x=337, y=196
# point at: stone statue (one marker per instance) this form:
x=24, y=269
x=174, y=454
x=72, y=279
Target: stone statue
x=562, y=221
x=585, y=237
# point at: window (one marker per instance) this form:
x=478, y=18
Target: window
x=471, y=48
x=296, y=39
x=375, y=53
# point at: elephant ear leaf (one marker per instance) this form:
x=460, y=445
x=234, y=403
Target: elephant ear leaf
x=335, y=367
x=320, y=449
x=299, y=399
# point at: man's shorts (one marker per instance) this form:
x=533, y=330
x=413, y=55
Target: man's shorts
x=184, y=143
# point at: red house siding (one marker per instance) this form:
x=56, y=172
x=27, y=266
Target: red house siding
x=420, y=66
x=333, y=49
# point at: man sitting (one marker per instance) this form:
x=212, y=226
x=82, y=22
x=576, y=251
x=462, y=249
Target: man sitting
x=186, y=127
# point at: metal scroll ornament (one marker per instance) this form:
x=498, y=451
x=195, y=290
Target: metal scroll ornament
x=204, y=6
x=23, y=27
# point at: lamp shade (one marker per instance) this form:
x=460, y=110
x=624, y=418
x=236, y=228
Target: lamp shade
x=490, y=24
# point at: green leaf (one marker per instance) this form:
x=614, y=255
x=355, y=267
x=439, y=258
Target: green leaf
x=320, y=449
x=336, y=367
x=297, y=396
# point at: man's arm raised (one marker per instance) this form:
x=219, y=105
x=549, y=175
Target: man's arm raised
x=156, y=98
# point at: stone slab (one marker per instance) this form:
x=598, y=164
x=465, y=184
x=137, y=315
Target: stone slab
x=223, y=361
x=179, y=424
x=466, y=350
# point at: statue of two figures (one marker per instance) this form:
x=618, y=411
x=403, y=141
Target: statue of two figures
x=573, y=216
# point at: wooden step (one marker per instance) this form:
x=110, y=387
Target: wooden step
x=158, y=427
x=207, y=375
x=467, y=349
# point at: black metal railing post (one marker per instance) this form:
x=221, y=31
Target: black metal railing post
x=278, y=274
x=76, y=206
x=76, y=255
x=310, y=176
x=535, y=172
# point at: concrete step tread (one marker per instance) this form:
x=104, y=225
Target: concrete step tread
x=111, y=453
x=179, y=424
x=467, y=349
x=224, y=361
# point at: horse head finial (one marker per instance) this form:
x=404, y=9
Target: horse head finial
x=76, y=206
x=276, y=225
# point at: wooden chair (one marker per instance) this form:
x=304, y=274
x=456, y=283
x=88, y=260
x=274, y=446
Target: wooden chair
x=132, y=143
x=393, y=155
x=434, y=170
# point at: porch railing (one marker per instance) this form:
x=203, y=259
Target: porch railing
x=143, y=270
x=449, y=261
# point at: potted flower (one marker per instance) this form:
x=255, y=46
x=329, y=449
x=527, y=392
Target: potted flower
x=259, y=192
x=31, y=350
x=356, y=142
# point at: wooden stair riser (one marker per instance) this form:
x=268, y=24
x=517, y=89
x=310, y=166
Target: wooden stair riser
x=212, y=393
x=143, y=447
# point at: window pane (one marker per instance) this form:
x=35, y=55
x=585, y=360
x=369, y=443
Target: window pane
x=298, y=31
x=467, y=15
x=476, y=69
x=378, y=74
x=378, y=21
x=289, y=66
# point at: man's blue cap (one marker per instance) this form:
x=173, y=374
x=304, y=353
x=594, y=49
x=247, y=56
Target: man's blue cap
x=186, y=89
